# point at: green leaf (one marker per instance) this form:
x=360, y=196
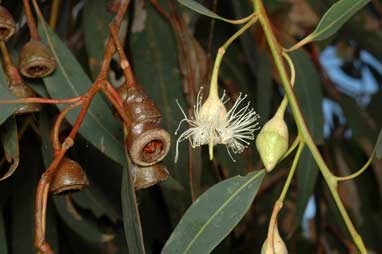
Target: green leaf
x=307, y=173
x=309, y=93
x=96, y=21
x=10, y=141
x=213, y=215
x=69, y=80
x=6, y=109
x=38, y=86
x=131, y=218
x=193, y=5
x=335, y=17
x=378, y=146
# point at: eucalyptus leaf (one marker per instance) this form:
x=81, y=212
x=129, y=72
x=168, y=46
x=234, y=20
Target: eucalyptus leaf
x=69, y=80
x=337, y=15
x=6, y=109
x=193, y=5
x=96, y=21
x=378, y=146
x=131, y=218
x=309, y=93
x=213, y=215
x=10, y=141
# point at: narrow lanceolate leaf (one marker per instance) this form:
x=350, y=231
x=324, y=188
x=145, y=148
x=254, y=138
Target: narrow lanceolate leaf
x=131, y=218
x=378, y=146
x=193, y=5
x=213, y=215
x=10, y=143
x=309, y=93
x=96, y=21
x=69, y=80
x=335, y=17
x=6, y=109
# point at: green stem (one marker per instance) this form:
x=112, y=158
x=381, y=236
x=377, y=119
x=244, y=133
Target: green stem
x=276, y=51
x=220, y=54
x=281, y=110
x=295, y=143
x=358, y=172
x=291, y=172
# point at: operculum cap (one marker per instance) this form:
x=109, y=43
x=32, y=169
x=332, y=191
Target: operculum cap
x=213, y=112
x=272, y=141
x=278, y=244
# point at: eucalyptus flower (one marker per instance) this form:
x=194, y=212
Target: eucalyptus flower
x=213, y=124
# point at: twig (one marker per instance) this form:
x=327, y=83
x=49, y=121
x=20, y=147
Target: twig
x=125, y=64
x=100, y=84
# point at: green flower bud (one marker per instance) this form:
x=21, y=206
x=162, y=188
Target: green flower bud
x=272, y=141
x=278, y=244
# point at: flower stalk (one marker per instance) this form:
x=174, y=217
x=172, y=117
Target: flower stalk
x=212, y=124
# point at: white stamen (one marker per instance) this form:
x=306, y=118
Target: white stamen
x=214, y=125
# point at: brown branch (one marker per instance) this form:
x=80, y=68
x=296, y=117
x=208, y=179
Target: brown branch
x=115, y=99
x=57, y=126
x=110, y=49
x=42, y=100
x=46, y=178
x=101, y=83
x=125, y=64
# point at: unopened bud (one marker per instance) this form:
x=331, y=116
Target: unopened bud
x=272, y=141
x=279, y=246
